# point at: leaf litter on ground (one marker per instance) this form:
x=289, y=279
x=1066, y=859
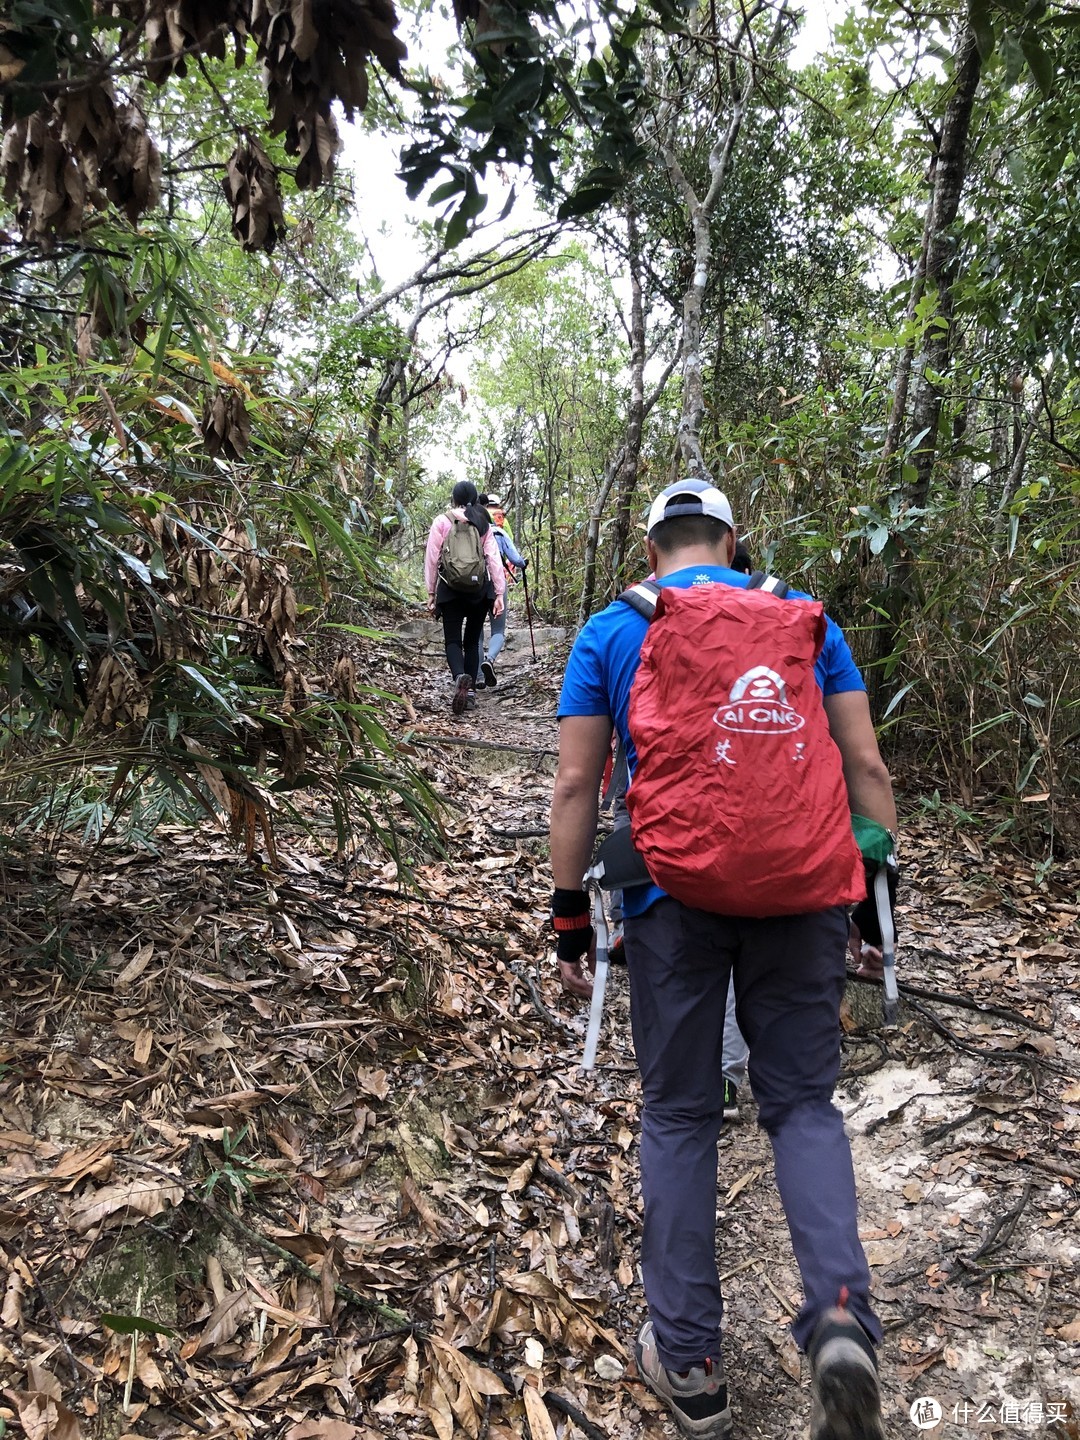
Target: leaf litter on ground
x=302, y=1150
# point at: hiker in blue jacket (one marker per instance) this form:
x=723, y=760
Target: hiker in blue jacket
x=513, y=563
x=789, y=974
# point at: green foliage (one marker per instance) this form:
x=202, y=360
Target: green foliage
x=152, y=665
x=549, y=393
x=235, y=1171
x=538, y=73
x=134, y=1325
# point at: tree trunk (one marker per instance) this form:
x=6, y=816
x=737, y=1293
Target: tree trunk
x=949, y=172
x=592, y=537
x=902, y=376
x=699, y=212
x=950, y=165
x=627, y=466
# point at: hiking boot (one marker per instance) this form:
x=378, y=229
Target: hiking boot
x=488, y=670
x=731, y=1102
x=698, y=1399
x=461, y=694
x=843, y=1373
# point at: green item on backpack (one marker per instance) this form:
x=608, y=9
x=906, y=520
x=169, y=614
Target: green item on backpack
x=462, y=565
x=873, y=840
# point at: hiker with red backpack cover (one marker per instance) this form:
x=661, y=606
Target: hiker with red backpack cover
x=749, y=743
x=463, y=572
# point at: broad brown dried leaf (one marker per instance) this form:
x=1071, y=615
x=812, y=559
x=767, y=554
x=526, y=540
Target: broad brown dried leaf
x=146, y=1197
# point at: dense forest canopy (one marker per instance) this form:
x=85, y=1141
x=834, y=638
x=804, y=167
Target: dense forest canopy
x=847, y=288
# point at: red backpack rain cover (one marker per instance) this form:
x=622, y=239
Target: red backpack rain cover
x=738, y=803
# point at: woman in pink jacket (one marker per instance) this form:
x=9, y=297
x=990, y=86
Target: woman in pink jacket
x=463, y=615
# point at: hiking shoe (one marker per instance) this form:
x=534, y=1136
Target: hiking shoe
x=698, y=1400
x=461, y=694
x=844, y=1379
x=470, y=699
x=731, y=1102
x=617, y=951
x=488, y=670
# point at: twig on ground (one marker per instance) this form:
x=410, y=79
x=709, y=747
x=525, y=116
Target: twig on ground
x=404, y=1325
x=746, y=1265
x=532, y=834
x=1002, y=1229
x=492, y=1281
x=557, y=1180
x=938, y=1132
x=605, y=1234
x=541, y=1008
x=556, y=1401
x=961, y=1002
x=401, y=1322
x=784, y=1301
x=994, y=1055
x=1037, y=1162
x=851, y=1071
x=432, y=741
x=1036, y=1335
x=75, y=1371
x=875, y=1125
x=571, y=1411
x=407, y=897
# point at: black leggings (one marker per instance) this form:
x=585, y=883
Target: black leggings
x=463, y=655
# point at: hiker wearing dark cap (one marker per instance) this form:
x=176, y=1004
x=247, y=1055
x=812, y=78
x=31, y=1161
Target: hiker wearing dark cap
x=745, y=753
x=464, y=576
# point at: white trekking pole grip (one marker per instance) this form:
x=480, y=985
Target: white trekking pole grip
x=599, y=984
x=888, y=946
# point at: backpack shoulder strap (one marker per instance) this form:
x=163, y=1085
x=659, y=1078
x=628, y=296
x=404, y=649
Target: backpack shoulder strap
x=772, y=583
x=642, y=598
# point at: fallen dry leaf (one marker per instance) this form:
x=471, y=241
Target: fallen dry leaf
x=42, y=1417
x=322, y=1430
x=536, y=1412
x=147, y=1197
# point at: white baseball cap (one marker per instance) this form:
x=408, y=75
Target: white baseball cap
x=690, y=497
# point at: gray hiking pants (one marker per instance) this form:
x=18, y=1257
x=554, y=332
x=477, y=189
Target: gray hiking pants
x=789, y=981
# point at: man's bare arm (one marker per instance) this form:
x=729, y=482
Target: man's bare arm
x=584, y=745
x=869, y=784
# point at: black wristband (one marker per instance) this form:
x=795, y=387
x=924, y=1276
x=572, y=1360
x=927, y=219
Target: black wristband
x=571, y=946
x=569, y=902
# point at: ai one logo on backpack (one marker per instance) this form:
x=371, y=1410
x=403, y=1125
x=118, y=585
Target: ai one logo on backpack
x=758, y=705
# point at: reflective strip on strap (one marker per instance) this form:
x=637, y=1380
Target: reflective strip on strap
x=642, y=598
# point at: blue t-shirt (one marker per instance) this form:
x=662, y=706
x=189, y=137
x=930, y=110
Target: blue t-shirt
x=605, y=658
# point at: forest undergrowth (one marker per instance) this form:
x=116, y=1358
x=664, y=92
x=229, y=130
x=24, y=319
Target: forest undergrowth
x=291, y=1150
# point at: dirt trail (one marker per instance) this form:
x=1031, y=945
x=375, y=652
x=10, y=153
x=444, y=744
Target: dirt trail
x=284, y=1111
x=967, y=1166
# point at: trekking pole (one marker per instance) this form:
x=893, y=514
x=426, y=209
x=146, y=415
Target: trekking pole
x=599, y=984
x=891, y=1001
x=528, y=611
